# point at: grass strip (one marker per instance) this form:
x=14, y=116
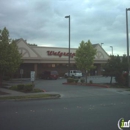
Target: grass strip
x=128, y=90
x=38, y=96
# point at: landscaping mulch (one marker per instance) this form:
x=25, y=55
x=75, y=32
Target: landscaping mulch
x=88, y=84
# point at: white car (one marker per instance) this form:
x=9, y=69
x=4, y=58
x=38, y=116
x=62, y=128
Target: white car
x=74, y=73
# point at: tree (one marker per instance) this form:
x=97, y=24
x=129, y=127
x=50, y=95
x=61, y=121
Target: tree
x=10, y=58
x=115, y=67
x=84, y=57
x=122, y=78
x=124, y=63
x=32, y=44
x=112, y=67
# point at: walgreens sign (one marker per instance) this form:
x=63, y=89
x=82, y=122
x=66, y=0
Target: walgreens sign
x=60, y=54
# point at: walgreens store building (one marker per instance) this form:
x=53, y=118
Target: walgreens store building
x=38, y=59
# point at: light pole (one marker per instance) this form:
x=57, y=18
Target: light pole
x=127, y=38
x=112, y=49
x=69, y=47
x=101, y=44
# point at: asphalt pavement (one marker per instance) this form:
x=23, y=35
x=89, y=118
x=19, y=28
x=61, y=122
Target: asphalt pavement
x=90, y=113
x=66, y=91
x=79, y=108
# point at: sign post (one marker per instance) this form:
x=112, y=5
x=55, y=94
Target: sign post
x=33, y=77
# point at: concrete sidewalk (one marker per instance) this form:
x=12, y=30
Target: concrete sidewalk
x=16, y=93
x=10, y=92
x=7, y=92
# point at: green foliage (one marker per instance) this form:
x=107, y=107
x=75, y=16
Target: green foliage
x=23, y=87
x=82, y=80
x=37, y=90
x=112, y=66
x=32, y=44
x=70, y=80
x=20, y=87
x=124, y=63
x=84, y=57
x=14, y=87
x=28, y=87
x=90, y=81
x=10, y=58
x=6, y=78
x=115, y=67
x=76, y=80
x=122, y=79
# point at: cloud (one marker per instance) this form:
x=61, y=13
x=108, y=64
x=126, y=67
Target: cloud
x=43, y=22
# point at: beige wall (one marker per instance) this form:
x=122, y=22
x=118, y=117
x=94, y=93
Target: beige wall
x=38, y=54
x=35, y=58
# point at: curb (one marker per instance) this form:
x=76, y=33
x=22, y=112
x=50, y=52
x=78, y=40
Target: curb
x=97, y=85
x=57, y=96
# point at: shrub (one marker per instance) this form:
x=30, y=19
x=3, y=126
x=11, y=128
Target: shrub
x=70, y=80
x=90, y=81
x=122, y=79
x=28, y=87
x=76, y=80
x=6, y=78
x=14, y=87
x=37, y=90
x=82, y=80
x=125, y=75
x=23, y=87
x=20, y=87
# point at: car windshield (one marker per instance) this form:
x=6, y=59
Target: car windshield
x=78, y=71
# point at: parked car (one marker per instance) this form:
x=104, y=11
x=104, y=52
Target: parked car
x=74, y=73
x=49, y=75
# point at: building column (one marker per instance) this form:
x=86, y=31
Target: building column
x=35, y=69
x=99, y=69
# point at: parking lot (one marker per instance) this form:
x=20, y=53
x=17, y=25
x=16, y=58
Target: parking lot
x=67, y=91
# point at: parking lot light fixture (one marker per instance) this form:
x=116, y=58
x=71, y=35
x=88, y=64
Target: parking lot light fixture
x=127, y=39
x=112, y=49
x=69, y=47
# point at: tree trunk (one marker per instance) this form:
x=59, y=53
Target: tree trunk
x=85, y=77
x=1, y=80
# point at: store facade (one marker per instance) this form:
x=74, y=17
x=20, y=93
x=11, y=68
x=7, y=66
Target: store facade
x=38, y=59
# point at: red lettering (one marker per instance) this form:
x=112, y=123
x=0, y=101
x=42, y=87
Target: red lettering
x=65, y=54
x=51, y=52
x=70, y=54
x=60, y=54
x=73, y=54
x=55, y=53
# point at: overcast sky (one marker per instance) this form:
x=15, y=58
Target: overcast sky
x=43, y=22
